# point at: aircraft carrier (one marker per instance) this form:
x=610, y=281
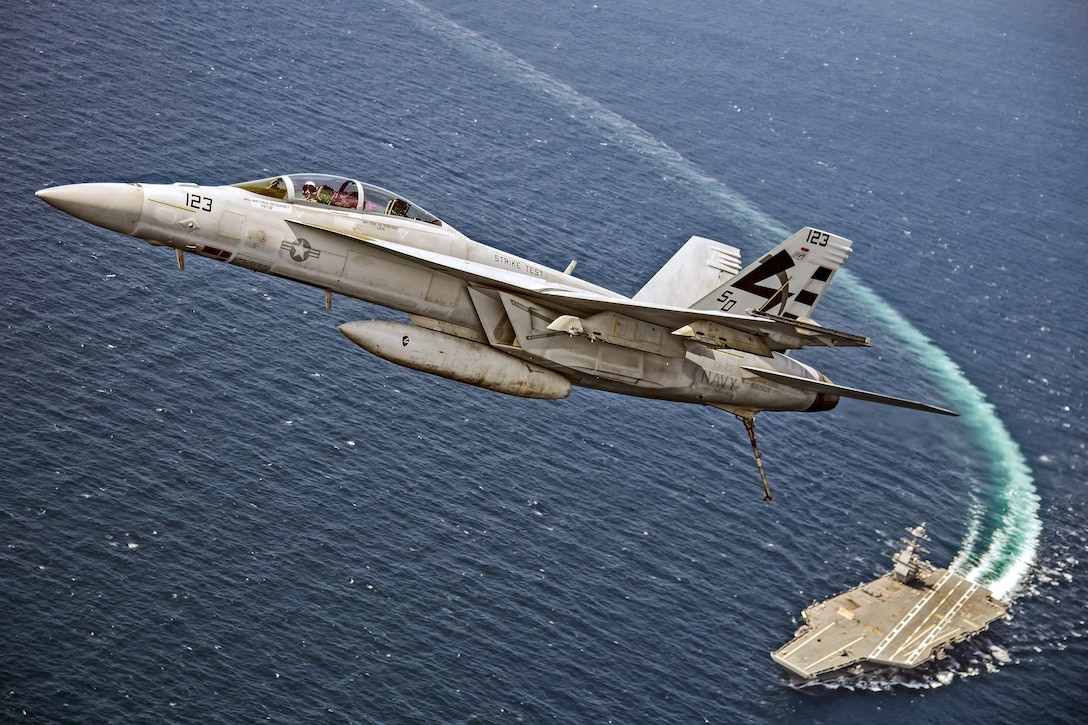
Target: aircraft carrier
x=905, y=618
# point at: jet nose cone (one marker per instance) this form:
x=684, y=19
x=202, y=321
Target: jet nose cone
x=112, y=206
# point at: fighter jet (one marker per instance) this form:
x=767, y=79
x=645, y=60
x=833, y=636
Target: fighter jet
x=701, y=330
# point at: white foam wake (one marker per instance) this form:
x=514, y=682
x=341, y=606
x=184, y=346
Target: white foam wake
x=1001, y=560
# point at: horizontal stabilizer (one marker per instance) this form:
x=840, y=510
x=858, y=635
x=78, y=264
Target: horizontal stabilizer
x=817, y=386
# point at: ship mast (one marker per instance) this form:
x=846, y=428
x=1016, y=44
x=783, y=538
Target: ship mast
x=906, y=560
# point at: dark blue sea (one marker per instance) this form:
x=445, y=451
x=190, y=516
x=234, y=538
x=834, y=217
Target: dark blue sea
x=215, y=509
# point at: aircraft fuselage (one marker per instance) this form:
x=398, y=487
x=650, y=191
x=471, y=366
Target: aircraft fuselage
x=336, y=249
x=701, y=330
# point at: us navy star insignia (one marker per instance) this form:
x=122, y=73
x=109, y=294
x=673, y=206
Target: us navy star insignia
x=300, y=249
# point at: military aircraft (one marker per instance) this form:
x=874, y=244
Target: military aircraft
x=701, y=330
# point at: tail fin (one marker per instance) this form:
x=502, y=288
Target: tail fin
x=787, y=281
x=697, y=269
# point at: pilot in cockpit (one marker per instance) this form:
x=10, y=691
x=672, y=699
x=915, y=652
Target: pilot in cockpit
x=321, y=194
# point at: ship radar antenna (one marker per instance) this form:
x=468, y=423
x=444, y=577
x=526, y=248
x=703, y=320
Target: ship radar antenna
x=918, y=532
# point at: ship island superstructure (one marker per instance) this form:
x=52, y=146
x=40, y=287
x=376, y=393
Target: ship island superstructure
x=905, y=618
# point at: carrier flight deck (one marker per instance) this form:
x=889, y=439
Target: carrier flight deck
x=901, y=620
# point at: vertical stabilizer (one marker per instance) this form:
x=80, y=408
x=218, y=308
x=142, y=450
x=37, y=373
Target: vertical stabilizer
x=699, y=267
x=787, y=281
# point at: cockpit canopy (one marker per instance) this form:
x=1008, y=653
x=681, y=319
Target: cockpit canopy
x=338, y=192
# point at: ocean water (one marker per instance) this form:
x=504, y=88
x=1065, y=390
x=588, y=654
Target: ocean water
x=214, y=508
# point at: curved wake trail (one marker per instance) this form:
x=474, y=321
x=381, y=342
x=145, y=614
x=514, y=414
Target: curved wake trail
x=1001, y=561
x=1000, y=546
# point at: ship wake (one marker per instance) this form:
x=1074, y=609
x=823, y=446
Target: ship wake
x=1003, y=525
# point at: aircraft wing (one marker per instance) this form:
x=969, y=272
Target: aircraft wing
x=714, y=328
x=779, y=333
